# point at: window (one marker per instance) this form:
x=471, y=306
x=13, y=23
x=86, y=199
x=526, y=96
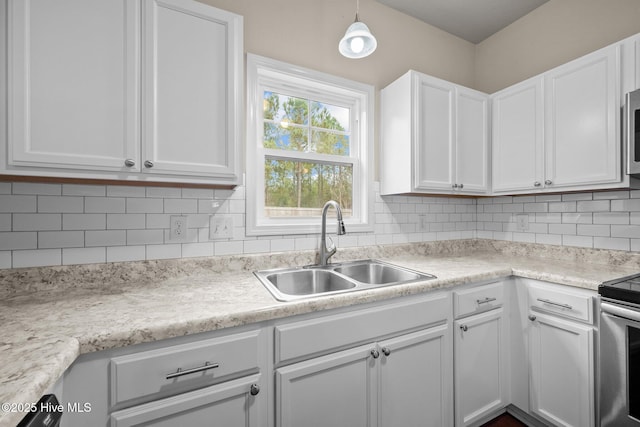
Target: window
x=308, y=141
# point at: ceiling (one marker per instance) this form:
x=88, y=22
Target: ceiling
x=472, y=20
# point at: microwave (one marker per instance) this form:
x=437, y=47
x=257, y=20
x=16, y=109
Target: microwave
x=632, y=131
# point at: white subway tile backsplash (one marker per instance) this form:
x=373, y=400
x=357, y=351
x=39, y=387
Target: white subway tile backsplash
x=580, y=241
x=60, y=239
x=572, y=197
x=18, y=240
x=283, y=245
x=549, y=239
x=611, y=218
x=5, y=222
x=162, y=192
x=83, y=190
x=105, y=238
x=594, y=206
x=191, y=250
x=36, y=188
x=577, y=218
x=118, y=221
x=143, y=205
x=145, y=237
x=60, y=204
x=630, y=205
x=5, y=256
x=84, y=221
x=36, y=222
x=37, y=258
x=562, y=228
x=23, y=204
x=611, y=243
x=228, y=248
x=180, y=206
x=562, y=206
x=594, y=230
x=5, y=188
x=197, y=193
x=125, y=253
x=256, y=246
x=610, y=195
x=164, y=251
x=104, y=205
x=84, y=256
x=125, y=191
x=629, y=231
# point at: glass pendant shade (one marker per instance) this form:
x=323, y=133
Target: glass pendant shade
x=358, y=41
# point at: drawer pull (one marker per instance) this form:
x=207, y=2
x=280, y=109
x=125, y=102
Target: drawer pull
x=375, y=353
x=386, y=351
x=464, y=328
x=202, y=368
x=484, y=301
x=557, y=304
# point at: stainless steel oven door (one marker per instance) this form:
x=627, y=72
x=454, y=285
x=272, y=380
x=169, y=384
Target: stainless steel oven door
x=619, y=366
x=632, y=131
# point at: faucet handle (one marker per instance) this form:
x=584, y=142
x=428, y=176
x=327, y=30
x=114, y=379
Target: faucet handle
x=331, y=247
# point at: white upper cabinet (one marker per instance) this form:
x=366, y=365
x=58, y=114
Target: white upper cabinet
x=561, y=130
x=73, y=83
x=434, y=137
x=130, y=90
x=582, y=122
x=518, y=125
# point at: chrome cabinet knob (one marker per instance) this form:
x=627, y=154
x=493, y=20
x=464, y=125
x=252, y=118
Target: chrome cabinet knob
x=255, y=389
x=548, y=182
x=537, y=184
x=375, y=353
x=129, y=163
x=464, y=328
x=386, y=351
x=454, y=186
x=148, y=164
x=532, y=317
x=461, y=186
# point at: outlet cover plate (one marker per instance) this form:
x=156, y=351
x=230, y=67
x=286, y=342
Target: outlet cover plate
x=178, y=228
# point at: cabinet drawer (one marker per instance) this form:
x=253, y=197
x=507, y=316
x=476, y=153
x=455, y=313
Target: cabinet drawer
x=327, y=333
x=144, y=374
x=572, y=303
x=478, y=299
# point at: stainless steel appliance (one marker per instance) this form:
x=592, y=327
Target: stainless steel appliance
x=632, y=131
x=619, y=350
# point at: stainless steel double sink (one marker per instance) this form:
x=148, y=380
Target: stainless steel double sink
x=288, y=284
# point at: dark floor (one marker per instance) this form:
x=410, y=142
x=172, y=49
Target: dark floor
x=504, y=420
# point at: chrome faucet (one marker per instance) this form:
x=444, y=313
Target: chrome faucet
x=325, y=252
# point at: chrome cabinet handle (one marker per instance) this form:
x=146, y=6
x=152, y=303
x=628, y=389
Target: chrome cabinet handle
x=386, y=351
x=148, y=164
x=255, y=389
x=537, y=184
x=464, y=328
x=557, y=304
x=532, y=317
x=548, y=182
x=484, y=301
x=129, y=163
x=375, y=353
x=202, y=368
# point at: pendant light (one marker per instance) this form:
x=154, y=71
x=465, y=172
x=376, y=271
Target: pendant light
x=358, y=41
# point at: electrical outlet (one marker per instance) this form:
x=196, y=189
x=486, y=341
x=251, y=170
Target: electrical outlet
x=178, y=228
x=522, y=222
x=220, y=227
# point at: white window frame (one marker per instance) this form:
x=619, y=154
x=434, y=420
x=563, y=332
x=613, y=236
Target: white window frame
x=270, y=74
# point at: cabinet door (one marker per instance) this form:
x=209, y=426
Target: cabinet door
x=415, y=380
x=229, y=404
x=434, y=134
x=333, y=390
x=480, y=347
x=472, y=141
x=73, y=80
x=561, y=371
x=582, y=125
x=517, y=137
x=192, y=92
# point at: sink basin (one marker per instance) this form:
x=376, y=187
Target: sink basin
x=374, y=272
x=288, y=284
x=308, y=281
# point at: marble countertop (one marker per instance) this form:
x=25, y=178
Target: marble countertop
x=52, y=315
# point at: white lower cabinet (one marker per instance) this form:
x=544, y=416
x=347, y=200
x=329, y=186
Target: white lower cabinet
x=554, y=353
x=403, y=380
x=480, y=354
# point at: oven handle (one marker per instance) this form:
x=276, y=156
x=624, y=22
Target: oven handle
x=616, y=310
